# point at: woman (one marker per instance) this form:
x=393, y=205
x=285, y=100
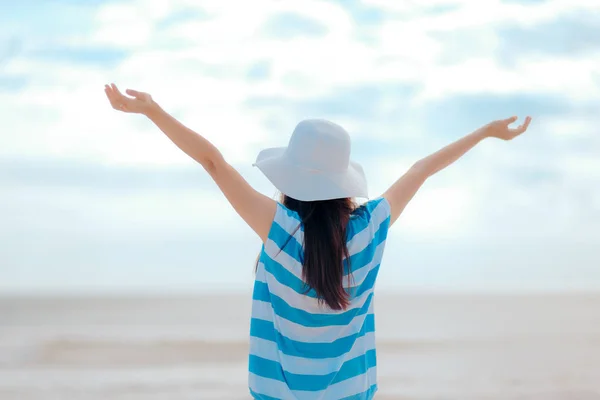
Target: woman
x=312, y=327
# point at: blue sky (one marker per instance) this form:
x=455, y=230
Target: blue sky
x=97, y=201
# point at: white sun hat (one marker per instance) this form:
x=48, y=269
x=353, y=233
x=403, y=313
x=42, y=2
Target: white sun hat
x=315, y=165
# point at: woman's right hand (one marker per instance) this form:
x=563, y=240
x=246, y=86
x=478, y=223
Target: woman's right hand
x=500, y=129
x=140, y=103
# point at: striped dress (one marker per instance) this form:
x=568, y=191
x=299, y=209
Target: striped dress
x=300, y=349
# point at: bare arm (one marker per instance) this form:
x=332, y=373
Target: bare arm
x=255, y=208
x=404, y=189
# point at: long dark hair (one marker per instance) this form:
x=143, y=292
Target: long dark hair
x=324, y=247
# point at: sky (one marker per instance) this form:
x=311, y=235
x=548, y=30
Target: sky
x=96, y=201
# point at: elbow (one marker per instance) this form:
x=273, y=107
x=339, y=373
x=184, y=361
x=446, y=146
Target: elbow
x=420, y=170
x=213, y=163
x=209, y=166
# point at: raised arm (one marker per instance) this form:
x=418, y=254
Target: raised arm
x=404, y=189
x=255, y=208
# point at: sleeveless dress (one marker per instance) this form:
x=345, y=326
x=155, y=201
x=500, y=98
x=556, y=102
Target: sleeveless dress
x=300, y=349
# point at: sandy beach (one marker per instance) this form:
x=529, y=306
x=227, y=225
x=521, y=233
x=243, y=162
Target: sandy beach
x=429, y=347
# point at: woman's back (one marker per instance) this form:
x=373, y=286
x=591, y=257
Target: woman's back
x=299, y=347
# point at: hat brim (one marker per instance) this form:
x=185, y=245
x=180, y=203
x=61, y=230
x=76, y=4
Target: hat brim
x=310, y=185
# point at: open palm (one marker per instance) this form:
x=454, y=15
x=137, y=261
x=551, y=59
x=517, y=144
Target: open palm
x=139, y=103
x=501, y=130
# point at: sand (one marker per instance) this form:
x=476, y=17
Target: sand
x=429, y=347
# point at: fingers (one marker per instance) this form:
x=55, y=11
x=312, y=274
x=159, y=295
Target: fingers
x=116, y=89
x=112, y=98
x=116, y=98
x=133, y=93
x=523, y=127
x=510, y=120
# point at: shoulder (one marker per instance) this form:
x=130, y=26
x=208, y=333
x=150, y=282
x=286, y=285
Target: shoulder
x=286, y=223
x=369, y=216
x=379, y=206
x=285, y=217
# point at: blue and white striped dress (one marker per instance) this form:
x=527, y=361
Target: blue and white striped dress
x=300, y=349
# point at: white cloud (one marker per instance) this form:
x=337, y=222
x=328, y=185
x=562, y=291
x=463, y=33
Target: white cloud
x=197, y=68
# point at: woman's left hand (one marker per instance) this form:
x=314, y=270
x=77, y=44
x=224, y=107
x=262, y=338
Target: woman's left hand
x=139, y=103
x=500, y=129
